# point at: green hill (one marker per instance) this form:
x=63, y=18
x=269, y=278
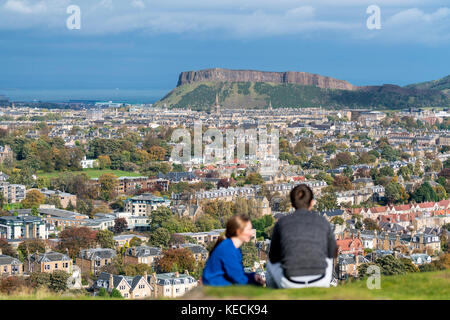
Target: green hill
x=421, y=286
x=442, y=84
x=202, y=95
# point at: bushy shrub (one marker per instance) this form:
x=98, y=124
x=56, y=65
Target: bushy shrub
x=11, y=284
x=116, y=294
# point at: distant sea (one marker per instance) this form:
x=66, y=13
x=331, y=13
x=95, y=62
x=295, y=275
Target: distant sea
x=115, y=95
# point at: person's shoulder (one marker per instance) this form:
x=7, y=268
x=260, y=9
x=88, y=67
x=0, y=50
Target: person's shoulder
x=224, y=245
x=319, y=217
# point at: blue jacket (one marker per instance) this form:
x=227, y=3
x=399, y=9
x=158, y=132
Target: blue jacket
x=224, y=267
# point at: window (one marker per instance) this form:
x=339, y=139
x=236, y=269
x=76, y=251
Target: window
x=56, y=266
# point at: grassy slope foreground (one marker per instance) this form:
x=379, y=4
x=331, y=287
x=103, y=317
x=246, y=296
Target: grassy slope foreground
x=420, y=286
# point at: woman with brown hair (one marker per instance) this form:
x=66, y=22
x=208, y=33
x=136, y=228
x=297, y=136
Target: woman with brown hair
x=224, y=266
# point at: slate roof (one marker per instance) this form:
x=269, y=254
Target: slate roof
x=7, y=260
x=54, y=212
x=144, y=251
x=194, y=248
x=165, y=279
x=49, y=257
x=177, y=176
x=97, y=253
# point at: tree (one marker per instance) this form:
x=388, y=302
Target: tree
x=249, y=254
x=31, y=246
x=387, y=172
x=424, y=193
x=370, y=224
x=105, y=239
x=116, y=294
x=40, y=279
x=206, y=223
x=137, y=269
x=34, y=198
x=176, y=260
x=157, y=153
x=75, y=238
x=337, y=220
x=393, y=192
x=158, y=216
x=103, y=162
x=11, y=284
x=436, y=165
x=441, y=193
x=102, y=292
x=108, y=183
x=342, y=182
x=254, y=178
x=159, y=238
x=327, y=202
x=58, y=281
x=7, y=249
x=120, y=225
x=135, y=242
x=343, y=158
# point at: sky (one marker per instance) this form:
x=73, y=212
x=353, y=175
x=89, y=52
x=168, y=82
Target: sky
x=139, y=47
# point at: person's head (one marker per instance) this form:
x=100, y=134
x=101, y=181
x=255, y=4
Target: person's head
x=302, y=197
x=238, y=226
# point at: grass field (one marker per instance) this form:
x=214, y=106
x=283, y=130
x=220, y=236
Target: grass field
x=421, y=286
x=412, y=286
x=93, y=173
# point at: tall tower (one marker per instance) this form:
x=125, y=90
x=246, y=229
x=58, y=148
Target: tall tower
x=217, y=106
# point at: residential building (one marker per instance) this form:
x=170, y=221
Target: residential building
x=129, y=287
x=48, y=262
x=64, y=198
x=123, y=239
x=144, y=204
x=22, y=227
x=142, y=255
x=10, y=266
x=12, y=193
x=92, y=260
x=198, y=251
x=172, y=285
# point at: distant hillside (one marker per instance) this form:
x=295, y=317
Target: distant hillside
x=442, y=84
x=225, y=75
x=200, y=95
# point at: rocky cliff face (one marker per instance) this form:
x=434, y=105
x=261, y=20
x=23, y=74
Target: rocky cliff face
x=225, y=75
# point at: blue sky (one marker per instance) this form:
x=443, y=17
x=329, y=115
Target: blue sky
x=145, y=44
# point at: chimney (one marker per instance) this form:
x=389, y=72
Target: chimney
x=177, y=274
x=111, y=281
x=1, y=251
x=145, y=276
x=185, y=271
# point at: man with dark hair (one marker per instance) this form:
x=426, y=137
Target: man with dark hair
x=303, y=246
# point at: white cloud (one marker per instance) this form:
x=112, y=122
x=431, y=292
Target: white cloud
x=23, y=7
x=138, y=4
x=402, y=20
